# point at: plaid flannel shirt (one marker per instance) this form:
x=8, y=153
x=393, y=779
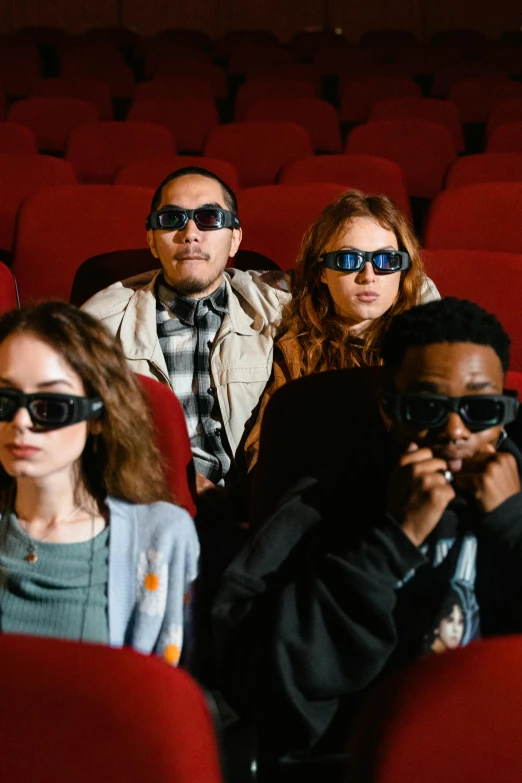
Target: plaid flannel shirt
x=187, y=329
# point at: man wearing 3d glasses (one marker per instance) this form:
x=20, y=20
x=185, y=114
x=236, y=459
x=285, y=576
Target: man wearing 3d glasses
x=206, y=332
x=417, y=549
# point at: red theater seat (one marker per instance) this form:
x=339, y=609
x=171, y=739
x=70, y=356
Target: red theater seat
x=423, y=150
x=252, y=92
x=293, y=72
x=8, y=290
x=318, y=117
x=173, y=441
x=505, y=138
x=59, y=228
x=477, y=217
x=88, y=90
x=16, y=139
x=503, y=113
x=427, y=109
x=99, y=149
x=17, y=77
x=207, y=72
x=259, y=150
x=117, y=76
x=21, y=175
x=150, y=172
x=468, y=274
x=274, y=218
x=486, y=167
x=52, y=119
x=360, y=172
x=99, y=713
x=359, y=95
x=450, y=717
x=476, y=97
x=189, y=121
x=179, y=89
x=447, y=75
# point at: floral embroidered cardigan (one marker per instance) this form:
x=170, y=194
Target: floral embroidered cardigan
x=153, y=556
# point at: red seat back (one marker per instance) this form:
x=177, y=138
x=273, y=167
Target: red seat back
x=318, y=117
x=259, y=150
x=449, y=717
x=59, y=228
x=358, y=96
x=260, y=89
x=17, y=76
x=173, y=441
x=275, y=217
x=486, y=167
x=150, y=172
x=505, y=138
x=476, y=97
x=179, y=89
x=88, y=90
x=428, y=109
x=21, y=175
x=189, y=121
x=504, y=112
x=8, y=290
x=16, y=138
x=406, y=143
x=477, y=217
x=99, y=149
x=486, y=278
x=103, y=714
x=52, y=119
x=361, y=172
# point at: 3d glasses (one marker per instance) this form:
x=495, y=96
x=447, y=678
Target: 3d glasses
x=49, y=411
x=205, y=218
x=430, y=411
x=384, y=261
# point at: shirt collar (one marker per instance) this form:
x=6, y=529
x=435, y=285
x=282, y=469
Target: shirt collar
x=188, y=309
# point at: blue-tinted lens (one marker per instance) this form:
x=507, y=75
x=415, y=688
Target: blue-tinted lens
x=350, y=262
x=387, y=261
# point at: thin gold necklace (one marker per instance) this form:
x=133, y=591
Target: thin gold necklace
x=32, y=546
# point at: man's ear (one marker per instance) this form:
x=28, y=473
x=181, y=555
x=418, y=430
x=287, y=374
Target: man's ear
x=237, y=236
x=151, y=243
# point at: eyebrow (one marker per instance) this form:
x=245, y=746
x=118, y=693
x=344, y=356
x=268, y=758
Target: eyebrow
x=7, y=382
x=358, y=250
x=207, y=205
x=428, y=386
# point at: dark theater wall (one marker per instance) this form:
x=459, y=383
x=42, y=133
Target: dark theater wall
x=282, y=16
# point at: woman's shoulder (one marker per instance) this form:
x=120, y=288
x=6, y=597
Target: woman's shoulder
x=156, y=518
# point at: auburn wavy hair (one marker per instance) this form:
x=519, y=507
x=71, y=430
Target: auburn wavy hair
x=324, y=336
x=122, y=460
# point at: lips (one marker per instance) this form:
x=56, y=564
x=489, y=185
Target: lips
x=368, y=296
x=22, y=451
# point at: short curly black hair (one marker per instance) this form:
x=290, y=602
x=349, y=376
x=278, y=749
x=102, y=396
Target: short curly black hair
x=448, y=320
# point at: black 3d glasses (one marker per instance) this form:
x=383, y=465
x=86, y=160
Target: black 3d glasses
x=384, y=261
x=205, y=218
x=49, y=411
x=430, y=411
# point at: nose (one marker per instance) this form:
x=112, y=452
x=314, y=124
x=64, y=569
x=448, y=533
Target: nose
x=366, y=274
x=190, y=233
x=455, y=429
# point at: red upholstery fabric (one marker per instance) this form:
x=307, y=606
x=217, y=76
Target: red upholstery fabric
x=476, y=97
x=249, y=54
x=362, y=172
x=189, y=121
x=486, y=167
x=423, y=150
x=173, y=441
x=359, y=96
x=235, y=39
x=427, y=109
x=21, y=175
x=8, y=291
x=486, y=278
x=294, y=72
x=477, y=217
x=304, y=44
x=196, y=39
x=179, y=89
x=504, y=112
x=78, y=49
x=117, y=76
x=447, y=75
x=86, y=712
x=59, y=228
x=52, y=119
x=275, y=217
x=16, y=138
x=253, y=91
x=259, y=150
x=164, y=59
x=452, y=717
x=99, y=149
x=17, y=76
x=3, y=104
x=323, y=417
x=149, y=172
x=104, y=269
x=212, y=74
x=318, y=117
x=505, y=138
x=88, y=90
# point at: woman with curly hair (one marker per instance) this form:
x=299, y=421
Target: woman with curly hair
x=92, y=547
x=358, y=266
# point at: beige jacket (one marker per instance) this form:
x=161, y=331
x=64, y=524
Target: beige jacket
x=241, y=357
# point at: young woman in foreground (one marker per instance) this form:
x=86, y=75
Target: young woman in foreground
x=91, y=546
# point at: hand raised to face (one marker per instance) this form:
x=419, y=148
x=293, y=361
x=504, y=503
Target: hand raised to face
x=491, y=477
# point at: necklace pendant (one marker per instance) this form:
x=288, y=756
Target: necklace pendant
x=31, y=557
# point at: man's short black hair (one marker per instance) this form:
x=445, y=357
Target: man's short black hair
x=448, y=320
x=229, y=196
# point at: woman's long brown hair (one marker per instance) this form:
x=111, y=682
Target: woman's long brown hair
x=122, y=461
x=324, y=336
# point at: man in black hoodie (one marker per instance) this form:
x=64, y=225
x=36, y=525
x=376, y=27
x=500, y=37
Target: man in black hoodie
x=416, y=549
